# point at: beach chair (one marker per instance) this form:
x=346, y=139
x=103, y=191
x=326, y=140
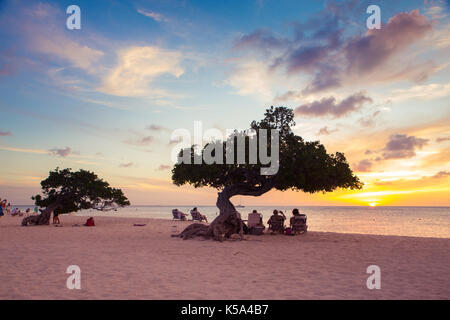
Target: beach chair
x=254, y=219
x=298, y=224
x=177, y=216
x=196, y=216
x=254, y=223
x=276, y=226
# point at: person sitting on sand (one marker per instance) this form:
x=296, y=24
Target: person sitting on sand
x=56, y=218
x=89, y=222
x=16, y=212
x=36, y=210
x=1, y=212
x=28, y=211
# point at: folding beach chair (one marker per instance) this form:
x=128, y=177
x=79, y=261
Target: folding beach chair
x=298, y=224
x=276, y=226
x=177, y=215
x=196, y=216
x=254, y=219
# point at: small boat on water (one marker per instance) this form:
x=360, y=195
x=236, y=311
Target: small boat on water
x=240, y=205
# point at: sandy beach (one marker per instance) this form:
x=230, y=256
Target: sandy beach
x=122, y=261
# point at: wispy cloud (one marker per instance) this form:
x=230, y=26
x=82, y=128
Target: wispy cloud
x=143, y=141
x=4, y=133
x=163, y=167
x=175, y=140
x=156, y=128
x=251, y=78
x=329, y=106
x=442, y=139
x=389, y=192
x=40, y=25
x=62, y=152
x=126, y=165
x=138, y=67
x=441, y=175
x=326, y=131
x=363, y=165
x=401, y=146
x=436, y=12
x=24, y=150
x=423, y=92
x=262, y=39
x=369, y=121
x=321, y=57
x=433, y=179
x=154, y=15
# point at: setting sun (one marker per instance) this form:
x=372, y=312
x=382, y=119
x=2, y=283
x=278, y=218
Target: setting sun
x=373, y=204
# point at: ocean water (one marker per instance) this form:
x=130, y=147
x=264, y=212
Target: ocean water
x=401, y=221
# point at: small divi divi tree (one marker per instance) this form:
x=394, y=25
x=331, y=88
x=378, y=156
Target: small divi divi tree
x=302, y=166
x=65, y=191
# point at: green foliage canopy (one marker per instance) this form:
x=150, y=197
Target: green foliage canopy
x=304, y=166
x=74, y=191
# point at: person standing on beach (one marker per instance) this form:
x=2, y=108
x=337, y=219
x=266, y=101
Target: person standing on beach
x=3, y=207
x=3, y=203
x=56, y=218
x=242, y=227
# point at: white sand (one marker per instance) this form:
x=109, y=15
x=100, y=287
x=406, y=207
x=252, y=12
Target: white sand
x=120, y=261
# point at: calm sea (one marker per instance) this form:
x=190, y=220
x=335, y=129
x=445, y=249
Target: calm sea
x=401, y=221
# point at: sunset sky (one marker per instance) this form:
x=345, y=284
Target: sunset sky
x=107, y=97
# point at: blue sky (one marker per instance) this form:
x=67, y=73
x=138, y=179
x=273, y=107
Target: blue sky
x=107, y=97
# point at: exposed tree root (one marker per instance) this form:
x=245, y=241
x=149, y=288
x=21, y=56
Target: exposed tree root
x=42, y=219
x=193, y=230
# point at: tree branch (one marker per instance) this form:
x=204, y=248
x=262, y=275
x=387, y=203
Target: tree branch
x=245, y=190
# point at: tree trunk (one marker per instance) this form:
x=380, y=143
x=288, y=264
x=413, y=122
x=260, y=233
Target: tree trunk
x=229, y=221
x=43, y=218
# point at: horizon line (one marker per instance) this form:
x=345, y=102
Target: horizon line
x=275, y=205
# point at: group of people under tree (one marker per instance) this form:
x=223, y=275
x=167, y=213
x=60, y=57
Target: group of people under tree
x=300, y=166
x=196, y=215
x=276, y=222
x=254, y=223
